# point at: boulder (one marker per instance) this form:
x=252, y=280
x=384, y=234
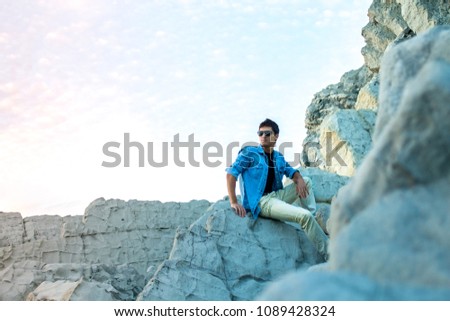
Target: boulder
x=389, y=224
x=115, y=243
x=225, y=257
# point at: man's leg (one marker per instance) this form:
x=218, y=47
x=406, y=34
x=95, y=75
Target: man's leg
x=289, y=195
x=310, y=201
x=278, y=206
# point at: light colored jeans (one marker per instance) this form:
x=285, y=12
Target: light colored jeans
x=279, y=205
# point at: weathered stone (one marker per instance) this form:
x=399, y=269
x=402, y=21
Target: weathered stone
x=71, y=291
x=126, y=238
x=395, y=79
x=385, y=23
x=225, y=257
x=323, y=216
x=421, y=15
x=390, y=223
x=338, y=96
x=325, y=184
x=368, y=95
x=345, y=137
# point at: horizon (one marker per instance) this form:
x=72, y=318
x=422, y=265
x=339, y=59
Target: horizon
x=77, y=75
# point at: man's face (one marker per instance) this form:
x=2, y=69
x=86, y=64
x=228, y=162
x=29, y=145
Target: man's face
x=267, y=137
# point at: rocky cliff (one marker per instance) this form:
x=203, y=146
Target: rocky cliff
x=153, y=251
x=384, y=125
x=107, y=254
x=341, y=118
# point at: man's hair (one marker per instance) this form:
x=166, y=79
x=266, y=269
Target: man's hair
x=270, y=123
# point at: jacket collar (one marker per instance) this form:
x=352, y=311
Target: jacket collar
x=261, y=150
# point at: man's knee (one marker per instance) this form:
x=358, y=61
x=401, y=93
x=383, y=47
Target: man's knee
x=304, y=216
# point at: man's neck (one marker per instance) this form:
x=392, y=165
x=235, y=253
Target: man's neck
x=267, y=150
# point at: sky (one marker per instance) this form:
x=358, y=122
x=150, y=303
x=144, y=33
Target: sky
x=83, y=83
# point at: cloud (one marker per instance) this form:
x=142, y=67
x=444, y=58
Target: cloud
x=80, y=74
x=223, y=73
x=4, y=37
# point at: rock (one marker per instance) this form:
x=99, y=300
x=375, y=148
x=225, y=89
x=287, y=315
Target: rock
x=325, y=184
x=342, y=286
x=342, y=95
x=323, y=216
x=346, y=138
x=390, y=19
x=390, y=22
x=328, y=109
x=225, y=257
x=385, y=23
x=71, y=291
x=389, y=224
x=114, y=243
x=413, y=137
x=11, y=229
x=368, y=95
x=396, y=78
x=387, y=214
x=421, y=15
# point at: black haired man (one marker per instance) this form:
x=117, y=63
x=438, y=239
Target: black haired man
x=260, y=170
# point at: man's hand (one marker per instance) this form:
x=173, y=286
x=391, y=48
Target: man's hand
x=238, y=209
x=301, y=188
x=231, y=186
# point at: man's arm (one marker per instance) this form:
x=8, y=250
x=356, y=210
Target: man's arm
x=302, y=189
x=231, y=186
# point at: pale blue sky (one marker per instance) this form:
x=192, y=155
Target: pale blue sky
x=77, y=74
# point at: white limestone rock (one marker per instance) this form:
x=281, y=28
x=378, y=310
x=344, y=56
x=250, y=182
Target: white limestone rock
x=390, y=223
x=225, y=257
x=71, y=291
x=368, y=95
x=320, y=285
x=421, y=15
x=11, y=229
x=396, y=78
x=325, y=184
x=123, y=238
x=323, y=216
x=346, y=138
x=331, y=117
x=389, y=19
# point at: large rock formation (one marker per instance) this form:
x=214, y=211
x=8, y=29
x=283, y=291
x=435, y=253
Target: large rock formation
x=339, y=136
x=340, y=118
x=107, y=254
x=120, y=251
x=224, y=257
x=390, y=223
x=385, y=127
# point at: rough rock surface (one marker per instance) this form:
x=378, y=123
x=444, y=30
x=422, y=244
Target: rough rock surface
x=108, y=250
x=390, y=22
x=225, y=257
x=112, y=251
x=390, y=223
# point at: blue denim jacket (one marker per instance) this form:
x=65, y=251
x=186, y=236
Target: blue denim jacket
x=251, y=168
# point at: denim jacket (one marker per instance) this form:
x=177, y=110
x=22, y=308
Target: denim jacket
x=251, y=168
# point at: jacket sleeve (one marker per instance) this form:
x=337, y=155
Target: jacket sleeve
x=243, y=161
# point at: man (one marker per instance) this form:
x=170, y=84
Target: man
x=261, y=170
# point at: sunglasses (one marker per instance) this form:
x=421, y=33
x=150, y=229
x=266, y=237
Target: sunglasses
x=265, y=133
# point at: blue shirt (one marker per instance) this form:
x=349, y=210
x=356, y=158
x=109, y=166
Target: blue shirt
x=251, y=168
